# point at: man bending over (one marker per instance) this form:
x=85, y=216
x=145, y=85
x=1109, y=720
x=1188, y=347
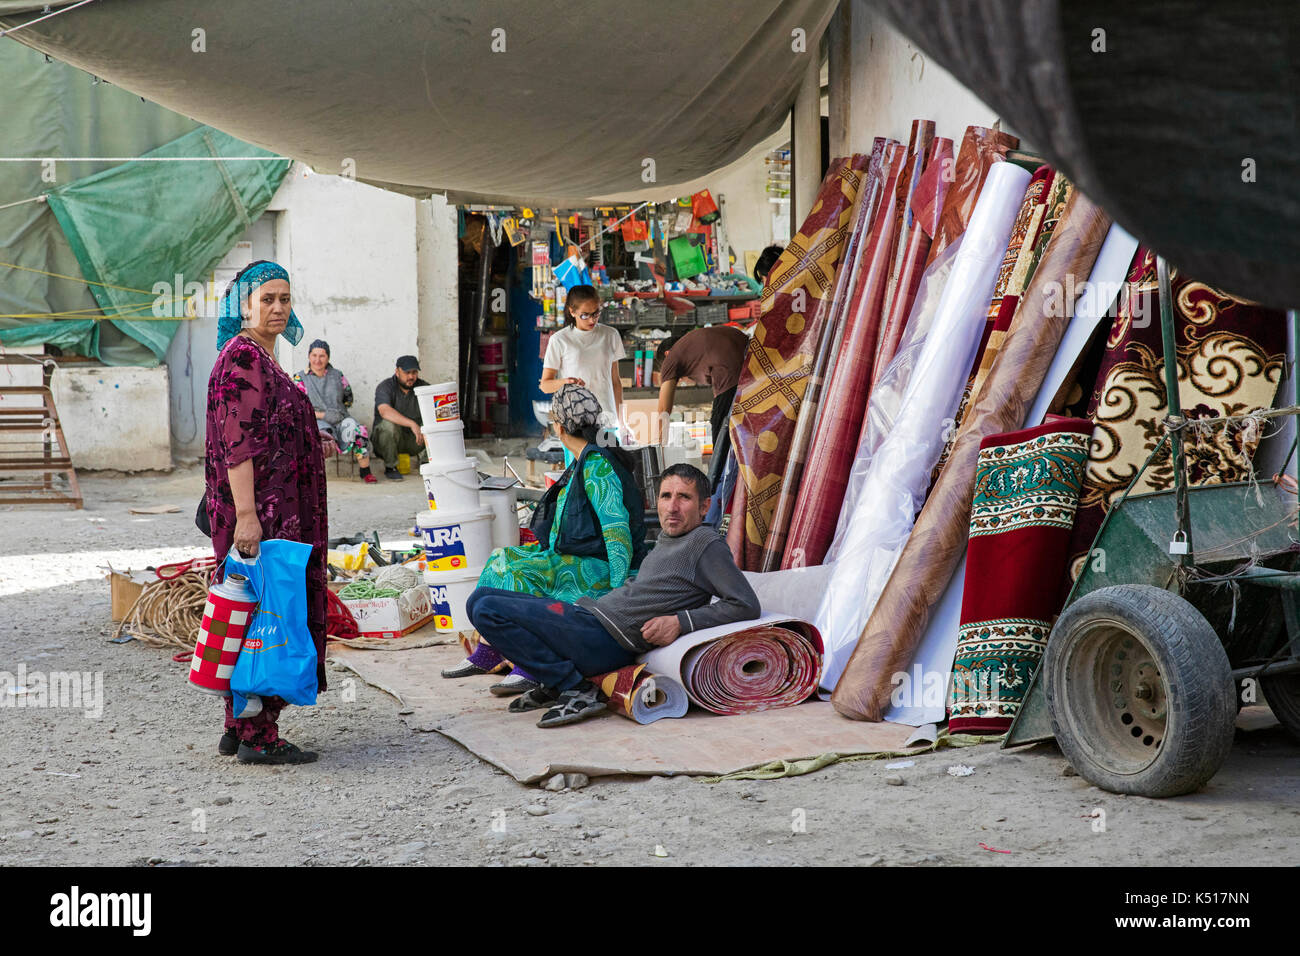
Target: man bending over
x=562, y=645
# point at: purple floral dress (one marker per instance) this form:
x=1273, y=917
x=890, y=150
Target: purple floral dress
x=255, y=410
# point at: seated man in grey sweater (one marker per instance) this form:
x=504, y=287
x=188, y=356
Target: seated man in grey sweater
x=562, y=645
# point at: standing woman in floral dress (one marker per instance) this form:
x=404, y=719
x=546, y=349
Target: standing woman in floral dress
x=265, y=471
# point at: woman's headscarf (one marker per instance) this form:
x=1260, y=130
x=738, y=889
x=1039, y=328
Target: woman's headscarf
x=230, y=317
x=575, y=408
x=319, y=344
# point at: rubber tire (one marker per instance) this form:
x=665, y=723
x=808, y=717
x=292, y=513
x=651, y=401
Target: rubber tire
x=1282, y=692
x=1199, y=689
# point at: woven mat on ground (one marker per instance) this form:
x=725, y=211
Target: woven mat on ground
x=699, y=743
x=427, y=636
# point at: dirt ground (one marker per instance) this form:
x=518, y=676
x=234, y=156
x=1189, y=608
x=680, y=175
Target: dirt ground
x=143, y=782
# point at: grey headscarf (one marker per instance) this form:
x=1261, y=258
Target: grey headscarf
x=575, y=408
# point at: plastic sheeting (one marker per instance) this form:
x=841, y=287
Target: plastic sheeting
x=146, y=222
x=888, y=642
x=894, y=489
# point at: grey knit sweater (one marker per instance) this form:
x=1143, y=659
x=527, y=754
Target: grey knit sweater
x=680, y=575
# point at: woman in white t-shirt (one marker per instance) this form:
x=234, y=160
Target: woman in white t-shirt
x=586, y=353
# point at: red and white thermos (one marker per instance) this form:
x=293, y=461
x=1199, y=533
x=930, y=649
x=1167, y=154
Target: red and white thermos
x=226, y=618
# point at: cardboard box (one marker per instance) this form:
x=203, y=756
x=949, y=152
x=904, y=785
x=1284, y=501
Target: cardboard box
x=642, y=416
x=384, y=617
x=125, y=588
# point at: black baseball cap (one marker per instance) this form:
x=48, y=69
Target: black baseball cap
x=408, y=363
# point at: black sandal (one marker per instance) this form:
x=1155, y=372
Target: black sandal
x=577, y=704
x=539, y=698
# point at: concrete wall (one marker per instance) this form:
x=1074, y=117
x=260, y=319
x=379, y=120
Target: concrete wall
x=114, y=417
x=891, y=83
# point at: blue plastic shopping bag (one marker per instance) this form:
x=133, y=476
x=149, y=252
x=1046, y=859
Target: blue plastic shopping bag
x=279, y=657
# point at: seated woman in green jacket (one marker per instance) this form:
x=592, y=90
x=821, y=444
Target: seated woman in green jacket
x=590, y=532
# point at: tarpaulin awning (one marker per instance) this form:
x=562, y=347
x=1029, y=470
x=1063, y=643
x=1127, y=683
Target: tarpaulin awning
x=563, y=102
x=105, y=234
x=1180, y=118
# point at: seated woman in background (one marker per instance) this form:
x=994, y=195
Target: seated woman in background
x=330, y=396
x=590, y=530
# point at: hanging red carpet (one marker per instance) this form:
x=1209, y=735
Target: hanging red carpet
x=780, y=355
x=898, y=621
x=1026, y=490
x=1231, y=359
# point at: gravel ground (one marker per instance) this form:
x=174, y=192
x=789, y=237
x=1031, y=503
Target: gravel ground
x=143, y=782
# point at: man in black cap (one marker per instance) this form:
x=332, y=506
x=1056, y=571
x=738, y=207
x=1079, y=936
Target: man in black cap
x=396, y=430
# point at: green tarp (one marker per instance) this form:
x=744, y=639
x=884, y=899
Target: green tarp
x=129, y=225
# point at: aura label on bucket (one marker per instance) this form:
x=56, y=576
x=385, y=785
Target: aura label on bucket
x=441, y=607
x=444, y=548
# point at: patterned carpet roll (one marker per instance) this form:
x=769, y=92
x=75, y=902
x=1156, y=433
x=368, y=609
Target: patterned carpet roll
x=890, y=638
x=638, y=695
x=1026, y=490
x=779, y=360
x=1231, y=358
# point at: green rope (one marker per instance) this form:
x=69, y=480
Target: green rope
x=365, y=590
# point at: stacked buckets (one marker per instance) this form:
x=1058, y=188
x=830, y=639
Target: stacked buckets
x=464, y=520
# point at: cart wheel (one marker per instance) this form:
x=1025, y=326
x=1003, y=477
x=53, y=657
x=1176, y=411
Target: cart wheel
x=1282, y=691
x=1140, y=691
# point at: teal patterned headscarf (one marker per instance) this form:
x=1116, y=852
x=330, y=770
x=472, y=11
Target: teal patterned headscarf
x=230, y=318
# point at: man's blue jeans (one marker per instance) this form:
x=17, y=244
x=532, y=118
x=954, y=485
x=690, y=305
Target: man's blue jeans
x=558, y=643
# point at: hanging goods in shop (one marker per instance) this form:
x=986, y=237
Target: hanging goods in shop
x=226, y=617
x=688, y=256
x=491, y=353
x=898, y=621
x=438, y=403
x=704, y=208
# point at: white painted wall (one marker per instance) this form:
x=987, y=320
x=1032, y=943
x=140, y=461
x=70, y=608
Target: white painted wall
x=893, y=83
x=114, y=417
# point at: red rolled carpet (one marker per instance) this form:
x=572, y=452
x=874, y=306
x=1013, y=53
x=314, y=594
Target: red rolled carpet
x=1026, y=492
x=821, y=492
x=884, y=162
x=761, y=668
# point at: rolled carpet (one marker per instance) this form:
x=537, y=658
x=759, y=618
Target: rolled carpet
x=887, y=502
x=882, y=170
x=898, y=621
x=779, y=360
x=1026, y=491
x=634, y=692
x=735, y=669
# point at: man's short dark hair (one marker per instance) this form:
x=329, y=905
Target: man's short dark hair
x=766, y=260
x=665, y=346
x=687, y=473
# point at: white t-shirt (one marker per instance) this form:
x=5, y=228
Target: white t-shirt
x=588, y=356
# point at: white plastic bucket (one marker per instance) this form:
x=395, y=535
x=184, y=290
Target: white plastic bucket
x=505, y=515
x=449, y=590
x=451, y=486
x=445, y=441
x=438, y=403
x=456, y=541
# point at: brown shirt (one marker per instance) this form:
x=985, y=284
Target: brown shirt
x=712, y=355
